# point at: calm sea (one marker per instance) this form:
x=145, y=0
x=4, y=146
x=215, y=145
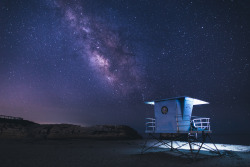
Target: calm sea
x=240, y=139
x=226, y=138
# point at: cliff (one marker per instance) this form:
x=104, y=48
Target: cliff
x=23, y=129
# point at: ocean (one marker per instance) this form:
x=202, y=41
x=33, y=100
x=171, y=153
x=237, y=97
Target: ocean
x=227, y=138
x=224, y=138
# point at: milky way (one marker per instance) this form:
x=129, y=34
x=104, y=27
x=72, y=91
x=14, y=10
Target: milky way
x=103, y=48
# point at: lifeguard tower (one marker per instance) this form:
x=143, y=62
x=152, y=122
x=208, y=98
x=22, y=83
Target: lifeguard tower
x=174, y=121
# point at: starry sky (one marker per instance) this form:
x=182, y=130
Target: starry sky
x=92, y=62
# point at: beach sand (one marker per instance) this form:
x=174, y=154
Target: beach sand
x=109, y=153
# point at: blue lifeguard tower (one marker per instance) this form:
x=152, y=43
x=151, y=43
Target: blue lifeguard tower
x=174, y=115
x=173, y=118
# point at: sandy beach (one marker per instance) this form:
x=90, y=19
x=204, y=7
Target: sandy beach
x=93, y=153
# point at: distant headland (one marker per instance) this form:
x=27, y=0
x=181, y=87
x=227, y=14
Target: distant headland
x=18, y=128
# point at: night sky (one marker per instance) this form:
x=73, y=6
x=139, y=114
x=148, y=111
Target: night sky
x=92, y=62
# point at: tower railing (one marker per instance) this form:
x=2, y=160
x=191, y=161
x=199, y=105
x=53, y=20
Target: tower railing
x=200, y=124
x=150, y=125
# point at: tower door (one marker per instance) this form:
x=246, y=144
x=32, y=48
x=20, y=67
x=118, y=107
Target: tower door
x=165, y=116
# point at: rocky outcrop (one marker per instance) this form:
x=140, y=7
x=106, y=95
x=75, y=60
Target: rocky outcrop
x=30, y=130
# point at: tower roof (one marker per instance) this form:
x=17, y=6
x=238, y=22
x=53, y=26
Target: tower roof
x=195, y=101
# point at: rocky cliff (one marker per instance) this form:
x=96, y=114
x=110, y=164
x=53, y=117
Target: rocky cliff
x=22, y=129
